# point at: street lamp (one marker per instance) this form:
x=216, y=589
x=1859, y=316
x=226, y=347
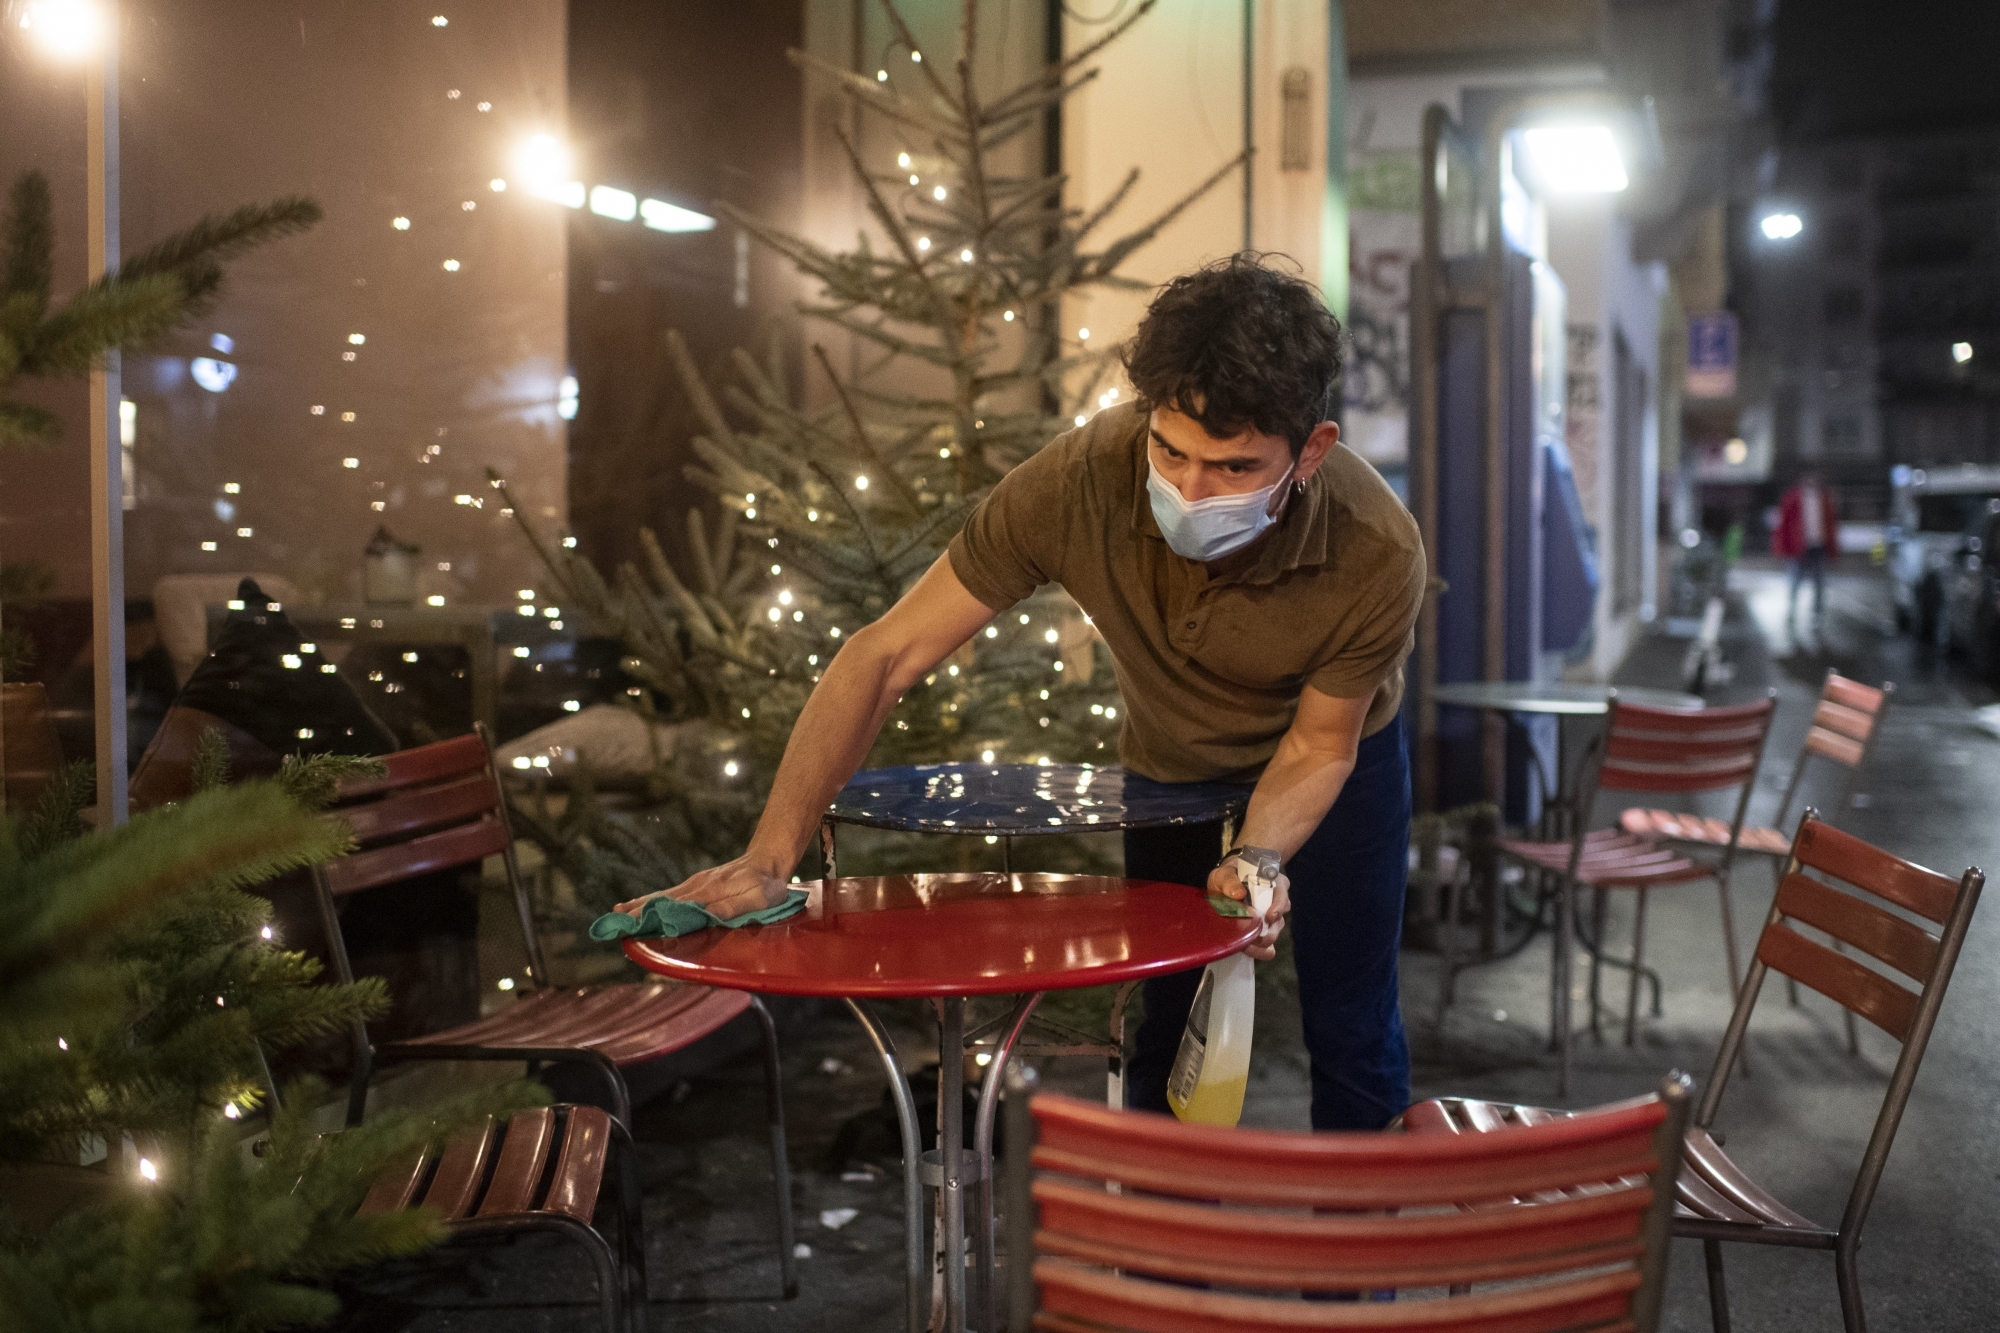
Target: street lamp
x=1781, y=226
x=72, y=30
x=1575, y=159
x=68, y=30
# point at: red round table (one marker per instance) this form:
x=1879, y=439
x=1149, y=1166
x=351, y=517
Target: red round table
x=943, y=938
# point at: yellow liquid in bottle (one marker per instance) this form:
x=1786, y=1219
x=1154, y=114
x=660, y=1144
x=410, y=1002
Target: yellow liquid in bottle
x=1217, y=1103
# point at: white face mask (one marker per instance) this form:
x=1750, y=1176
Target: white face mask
x=1212, y=528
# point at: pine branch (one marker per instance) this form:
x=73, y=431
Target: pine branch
x=196, y=253
x=211, y=761
x=107, y=314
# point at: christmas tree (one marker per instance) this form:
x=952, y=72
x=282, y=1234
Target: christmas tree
x=141, y=989
x=953, y=299
x=141, y=985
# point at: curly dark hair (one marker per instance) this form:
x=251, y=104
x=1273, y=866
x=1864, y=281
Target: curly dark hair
x=1239, y=344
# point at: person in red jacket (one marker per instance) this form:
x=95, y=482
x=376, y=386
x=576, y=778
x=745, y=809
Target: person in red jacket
x=1808, y=532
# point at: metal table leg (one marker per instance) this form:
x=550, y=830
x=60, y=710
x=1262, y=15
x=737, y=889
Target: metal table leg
x=984, y=1295
x=916, y=1263
x=951, y=1151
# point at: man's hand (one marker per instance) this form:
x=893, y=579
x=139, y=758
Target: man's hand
x=1223, y=880
x=728, y=890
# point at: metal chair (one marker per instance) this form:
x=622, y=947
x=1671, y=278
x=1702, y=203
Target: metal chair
x=1844, y=728
x=1545, y=1227
x=1656, y=750
x=1717, y=1200
x=440, y=806
x=538, y=1170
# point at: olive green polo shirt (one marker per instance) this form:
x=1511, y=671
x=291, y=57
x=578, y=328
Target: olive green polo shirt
x=1210, y=657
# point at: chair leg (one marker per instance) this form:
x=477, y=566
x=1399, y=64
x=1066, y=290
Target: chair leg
x=1598, y=903
x=632, y=1230
x=781, y=1171
x=1448, y=952
x=1849, y=1279
x=1565, y=963
x=1638, y=961
x=1718, y=1294
x=1729, y=936
x=357, y=1089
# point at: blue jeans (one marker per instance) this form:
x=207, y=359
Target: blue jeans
x=1346, y=924
x=1808, y=566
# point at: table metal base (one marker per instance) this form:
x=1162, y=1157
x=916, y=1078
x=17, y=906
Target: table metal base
x=948, y=1306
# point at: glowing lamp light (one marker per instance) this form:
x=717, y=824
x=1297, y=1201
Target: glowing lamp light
x=542, y=162
x=903, y=161
x=435, y=599
x=572, y=706
x=439, y=21
x=400, y=223
x=212, y=375
x=1781, y=226
x=451, y=266
x=938, y=194
x=505, y=983
x=566, y=398
x=1961, y=352
x=663, y=216
x=861, y=483
x=1736, y=453
x=357, y=338
x=608, y=201
x=208, y=546
x=881, y=76
x=65, y=29
x=731, y=769
x=1576, y=159
x=147, y=1170
x=229, y=1110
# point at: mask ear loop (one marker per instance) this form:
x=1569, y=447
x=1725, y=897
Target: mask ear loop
x=1281, y=494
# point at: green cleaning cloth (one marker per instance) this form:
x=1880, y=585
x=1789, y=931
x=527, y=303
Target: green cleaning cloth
x=672, y=916
x=1223, y=906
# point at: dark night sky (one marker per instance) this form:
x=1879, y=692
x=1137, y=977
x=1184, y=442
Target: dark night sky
x=1847, y=66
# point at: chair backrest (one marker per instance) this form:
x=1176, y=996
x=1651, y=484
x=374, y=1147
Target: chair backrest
x=1843, y=731
x=437, y=807
x=1682, y=750
x=1561, y=1225
x=1878, y=906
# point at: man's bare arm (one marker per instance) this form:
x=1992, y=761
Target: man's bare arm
x=1299, y=785
x=833, y=734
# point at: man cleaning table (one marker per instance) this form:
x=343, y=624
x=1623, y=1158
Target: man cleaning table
x=1257, y=584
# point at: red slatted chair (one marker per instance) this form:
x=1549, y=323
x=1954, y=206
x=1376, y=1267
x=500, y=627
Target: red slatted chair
x=1654, y=750
x=1844, y=727
x=1843, y=731
x=1868, y=908
x=540, y=1170
x=1544, y=1227
x=441, y=806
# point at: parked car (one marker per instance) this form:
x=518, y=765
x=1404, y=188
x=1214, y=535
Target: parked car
x=1971, y=606
x=1931, y=510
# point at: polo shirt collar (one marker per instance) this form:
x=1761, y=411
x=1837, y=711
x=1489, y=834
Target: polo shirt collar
x=1296, y=541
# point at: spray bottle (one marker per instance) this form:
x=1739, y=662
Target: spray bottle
x=1213, y=1065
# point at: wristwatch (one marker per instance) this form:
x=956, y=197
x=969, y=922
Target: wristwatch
x=1262, y=860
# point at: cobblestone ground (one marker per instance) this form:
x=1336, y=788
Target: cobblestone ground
x=1799, y=1121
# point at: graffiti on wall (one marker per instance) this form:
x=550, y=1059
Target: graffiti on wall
x=1385, y=237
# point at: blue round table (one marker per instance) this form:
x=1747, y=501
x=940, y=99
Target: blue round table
x=1008, y=801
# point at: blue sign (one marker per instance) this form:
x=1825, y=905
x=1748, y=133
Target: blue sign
x=1711, y=366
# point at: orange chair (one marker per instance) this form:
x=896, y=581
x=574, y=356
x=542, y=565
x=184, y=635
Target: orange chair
x=1654, y=750
x=1844, y=727
x=1127, y=1217
x=1719, y=1201
x=1843, y=731
x=538, y=1170
x=440, y=806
